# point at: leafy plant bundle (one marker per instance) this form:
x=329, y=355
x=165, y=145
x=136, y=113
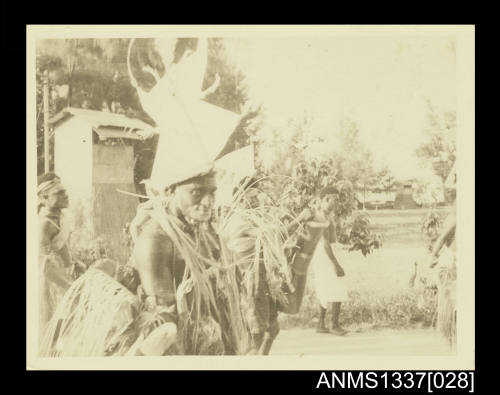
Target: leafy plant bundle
x=357, y=233
x=255, y=235
x=301, y=190
x=431, y=225
x=208, y=290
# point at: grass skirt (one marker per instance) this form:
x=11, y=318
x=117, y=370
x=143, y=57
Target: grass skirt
x=446, y=309
x=50, y=293
x=95, y=318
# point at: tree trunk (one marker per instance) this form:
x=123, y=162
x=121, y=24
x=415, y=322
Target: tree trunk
x=364, y=196
x=70, y=89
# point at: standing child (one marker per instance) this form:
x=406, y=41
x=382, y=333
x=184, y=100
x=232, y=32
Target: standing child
x=329, y=276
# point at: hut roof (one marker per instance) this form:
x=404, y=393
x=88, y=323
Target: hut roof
x=107, y=124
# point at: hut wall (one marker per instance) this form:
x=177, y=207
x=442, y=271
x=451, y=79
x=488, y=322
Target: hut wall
x=113, y=169
x=73, y=157
x=73, y=163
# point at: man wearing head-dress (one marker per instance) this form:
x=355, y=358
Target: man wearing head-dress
x=177, y=255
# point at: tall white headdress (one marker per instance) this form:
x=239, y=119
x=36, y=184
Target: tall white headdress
x=192, y=132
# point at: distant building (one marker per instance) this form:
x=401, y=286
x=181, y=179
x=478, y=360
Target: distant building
x=404, y=196
x=94, y=154
x=376, y=199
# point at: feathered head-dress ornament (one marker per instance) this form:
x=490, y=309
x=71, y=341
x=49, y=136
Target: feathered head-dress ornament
x=168, y=75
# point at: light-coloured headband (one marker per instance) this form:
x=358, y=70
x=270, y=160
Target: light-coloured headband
x=47, y=186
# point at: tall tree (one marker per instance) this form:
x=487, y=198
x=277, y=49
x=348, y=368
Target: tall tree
x=92, y=73
x=232, y=92
x=383, y=180
x=295, y=177
x=353, y=159
x=440, y=145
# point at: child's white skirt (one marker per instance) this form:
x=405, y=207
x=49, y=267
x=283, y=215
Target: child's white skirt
x=328, y=286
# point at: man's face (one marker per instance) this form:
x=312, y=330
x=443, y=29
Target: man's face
x=57, y=198
x=328, y=203
x=195, y=199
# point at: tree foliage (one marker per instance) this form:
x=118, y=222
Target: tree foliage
x=382, y=180
x=440, y=144
x=357, y=233
x=428, y=191
x=431, y=226
x=352, y=227
x=353, y=159
x=232, y=92
x=298, y=177
x=93, y=74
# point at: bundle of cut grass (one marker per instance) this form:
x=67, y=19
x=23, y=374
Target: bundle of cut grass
x=208, y=293
x=95, y=316
x=257, y=234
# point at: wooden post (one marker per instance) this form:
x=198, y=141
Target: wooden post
x=46, y=135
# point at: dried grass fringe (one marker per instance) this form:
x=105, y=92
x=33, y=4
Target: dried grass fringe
x=446, y=309
x=85, y=322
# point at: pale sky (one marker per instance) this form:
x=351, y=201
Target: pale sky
x=381, y=82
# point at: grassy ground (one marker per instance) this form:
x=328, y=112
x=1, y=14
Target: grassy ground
x=380, y=295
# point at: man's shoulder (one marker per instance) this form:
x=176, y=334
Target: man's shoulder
x=152, y=243
x=153, y=232
x=47, y=224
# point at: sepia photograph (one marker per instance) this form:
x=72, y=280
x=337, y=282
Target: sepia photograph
x=284, y=195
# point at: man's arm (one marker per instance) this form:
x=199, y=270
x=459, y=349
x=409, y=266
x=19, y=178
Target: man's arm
x=153, y=254
x=328, y=249
x=137, y=222
x=46, y=233
x=65, y=255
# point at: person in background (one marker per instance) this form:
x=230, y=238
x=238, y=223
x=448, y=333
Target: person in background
x=55, y=262
x=444, y=260
x=315, y=223
x=329, y=276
